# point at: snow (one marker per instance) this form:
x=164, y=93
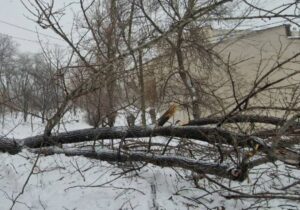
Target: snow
x=61, y=182
x=51, y=185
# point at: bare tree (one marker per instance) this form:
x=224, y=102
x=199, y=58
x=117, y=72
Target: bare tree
x=119, y=42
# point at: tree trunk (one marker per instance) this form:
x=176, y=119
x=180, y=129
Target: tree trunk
x=142, y=88
x=111, y=51
x=187, y=80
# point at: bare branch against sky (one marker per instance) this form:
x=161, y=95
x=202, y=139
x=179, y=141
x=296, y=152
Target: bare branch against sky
x=15, y=22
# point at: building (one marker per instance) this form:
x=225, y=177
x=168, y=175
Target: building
x=240, y=61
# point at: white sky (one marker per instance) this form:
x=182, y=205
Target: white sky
x=12, y=12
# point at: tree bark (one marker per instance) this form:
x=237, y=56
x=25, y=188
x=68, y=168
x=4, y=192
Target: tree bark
x=142, y=87
x=239, y=119
x=187, y=81
x=209, y=135
x=159, y=160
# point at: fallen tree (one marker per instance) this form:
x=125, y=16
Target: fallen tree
x=208, y=134
x=213, y=136
x=197, y=166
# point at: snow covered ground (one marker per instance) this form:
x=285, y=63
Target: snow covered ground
x=61, y=182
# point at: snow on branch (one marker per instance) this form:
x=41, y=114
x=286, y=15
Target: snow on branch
x=200, y=167
x=213, y=136
x=209, y=135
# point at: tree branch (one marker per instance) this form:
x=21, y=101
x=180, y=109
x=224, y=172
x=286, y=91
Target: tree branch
x=239, y=119
x=159, y=160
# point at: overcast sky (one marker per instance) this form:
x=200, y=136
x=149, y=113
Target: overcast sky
x=15, y=23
